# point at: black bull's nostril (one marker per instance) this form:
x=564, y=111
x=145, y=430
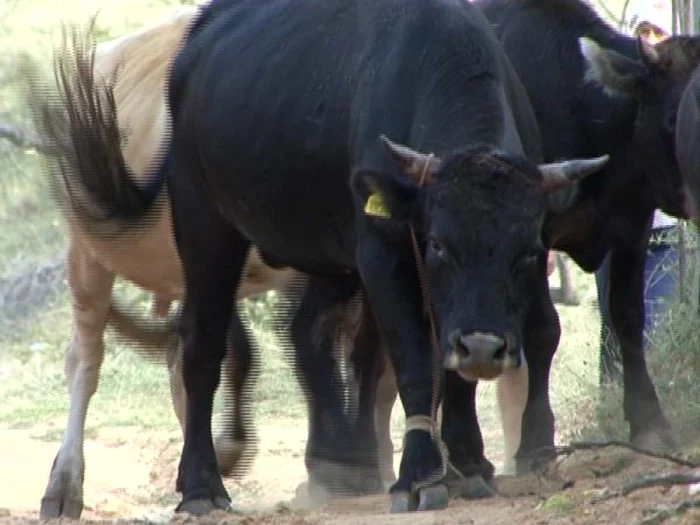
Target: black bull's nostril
x=481, y=355
x=489, y=346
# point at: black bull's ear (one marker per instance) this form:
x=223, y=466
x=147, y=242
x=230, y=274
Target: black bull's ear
x=390, y=197
x=385, y=196
x=616, y=73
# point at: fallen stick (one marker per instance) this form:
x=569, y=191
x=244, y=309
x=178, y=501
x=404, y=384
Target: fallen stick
x=663, y=514
x=567, y=450
x=660, y=481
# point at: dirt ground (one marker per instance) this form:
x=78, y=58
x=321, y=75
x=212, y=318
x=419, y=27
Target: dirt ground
x=130, y=477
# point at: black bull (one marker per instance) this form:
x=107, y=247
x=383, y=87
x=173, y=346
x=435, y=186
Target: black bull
x=688, y=141
x=615, y=94
x=277, y=115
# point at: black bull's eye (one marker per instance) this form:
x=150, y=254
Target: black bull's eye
x=436, y=247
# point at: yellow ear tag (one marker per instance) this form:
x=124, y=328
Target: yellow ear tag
x=376, y=206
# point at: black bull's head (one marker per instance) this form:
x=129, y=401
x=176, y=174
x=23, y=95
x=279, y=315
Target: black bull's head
x=479, y=215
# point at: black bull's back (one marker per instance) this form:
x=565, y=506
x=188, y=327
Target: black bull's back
x=284, y=100
x=688, y=141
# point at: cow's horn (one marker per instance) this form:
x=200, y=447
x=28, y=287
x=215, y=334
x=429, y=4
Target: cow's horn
x=572, y=170
x=412, y=162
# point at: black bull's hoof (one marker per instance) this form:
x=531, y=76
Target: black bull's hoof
x=53, y=508
x=433, y=497
x=330, y=480
x=423, y=461
x=660, y=439
x=201, y=507
x=469, y=487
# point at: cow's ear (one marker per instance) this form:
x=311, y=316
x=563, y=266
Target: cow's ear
x=651, y=33
x=614, y=72
x=385, y=196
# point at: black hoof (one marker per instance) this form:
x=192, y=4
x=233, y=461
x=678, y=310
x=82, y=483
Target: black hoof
x=656, y=440
x=338, y=480
x=316, y=493
x=372, y=484
x=201, y=507
x=471, y=487
x=52, y=508
x=535, y=464
x=403, y=502
x=434, y=497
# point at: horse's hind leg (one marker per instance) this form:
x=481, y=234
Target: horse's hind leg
x=90, y=286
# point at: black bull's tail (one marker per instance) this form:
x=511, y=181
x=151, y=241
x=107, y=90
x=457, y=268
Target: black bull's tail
x=155, y=341
x=77, y=117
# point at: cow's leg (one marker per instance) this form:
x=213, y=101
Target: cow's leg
x=368, y=360
x=610, y=362
x=541, y=332
x=340, y=460
x=377, y=390
x=234, y=444
x=648, y=425
x=386, y=397
x=470, y=474
x=397, y=309
x=213, y=256
x=568, y=291
x=511, y=395
x=90, y=286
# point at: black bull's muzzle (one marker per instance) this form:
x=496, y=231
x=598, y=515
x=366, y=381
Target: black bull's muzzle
x=481, y=355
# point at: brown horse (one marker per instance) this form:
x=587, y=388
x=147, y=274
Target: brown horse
x=149, y=260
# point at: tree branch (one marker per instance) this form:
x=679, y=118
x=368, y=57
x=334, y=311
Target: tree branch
x=613, y=17
x=23, y=138
x=663, y=514
x=593, y=445
x=660, y=481
x=623, y=16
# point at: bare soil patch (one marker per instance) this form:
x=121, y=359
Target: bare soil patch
x=130, y=478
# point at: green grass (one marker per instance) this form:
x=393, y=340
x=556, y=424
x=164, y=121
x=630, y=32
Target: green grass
x=131, y=391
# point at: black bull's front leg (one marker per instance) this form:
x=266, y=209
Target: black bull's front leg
x=648, y=425
x=541, y=332
x=398, y=313
x=341, y=457
x=470, y=474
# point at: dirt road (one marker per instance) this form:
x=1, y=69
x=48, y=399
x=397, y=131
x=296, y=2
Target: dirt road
x=130, y=478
